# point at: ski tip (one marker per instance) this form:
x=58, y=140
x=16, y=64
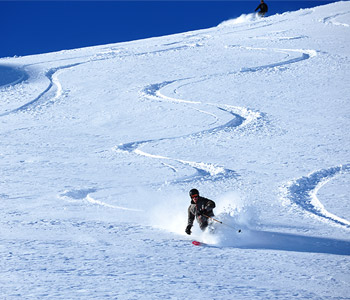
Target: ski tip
x=196, y=243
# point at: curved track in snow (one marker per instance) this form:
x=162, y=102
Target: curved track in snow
x=240, y=116
x=303, y=192
x=49, y=95
x=73, y=195
x=14, y=75
x=332, y=20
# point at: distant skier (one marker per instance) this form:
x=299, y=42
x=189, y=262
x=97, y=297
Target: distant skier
x=201, y=208
x=263, y=8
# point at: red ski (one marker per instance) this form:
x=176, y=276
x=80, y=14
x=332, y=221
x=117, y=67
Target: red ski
x=196, y=243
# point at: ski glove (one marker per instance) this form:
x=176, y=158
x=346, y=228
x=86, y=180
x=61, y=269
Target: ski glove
x=188, y=229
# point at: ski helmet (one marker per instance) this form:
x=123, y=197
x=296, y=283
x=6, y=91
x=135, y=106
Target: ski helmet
x=193, y=192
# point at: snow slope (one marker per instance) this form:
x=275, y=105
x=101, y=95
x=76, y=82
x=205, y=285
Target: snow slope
x=100, y=146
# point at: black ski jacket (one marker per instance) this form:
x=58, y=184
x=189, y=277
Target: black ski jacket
x=194, y=212
x=263, y=8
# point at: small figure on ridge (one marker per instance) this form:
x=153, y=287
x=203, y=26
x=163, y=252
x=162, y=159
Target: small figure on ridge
x=263, y=8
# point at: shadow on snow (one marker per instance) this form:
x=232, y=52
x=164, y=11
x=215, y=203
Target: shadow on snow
x=293, y=242
x=11, y=76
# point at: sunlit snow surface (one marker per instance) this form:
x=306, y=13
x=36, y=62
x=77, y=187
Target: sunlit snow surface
x=100, y=146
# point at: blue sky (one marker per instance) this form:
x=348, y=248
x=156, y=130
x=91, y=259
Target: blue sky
x=32, y=27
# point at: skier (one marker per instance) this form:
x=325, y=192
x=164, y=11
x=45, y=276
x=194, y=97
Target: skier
x=201, y=208
x=263, y=8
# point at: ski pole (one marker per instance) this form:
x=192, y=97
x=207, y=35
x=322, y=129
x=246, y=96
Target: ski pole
x=239, y=230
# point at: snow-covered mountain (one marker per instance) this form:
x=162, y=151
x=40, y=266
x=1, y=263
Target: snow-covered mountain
x=100, y=146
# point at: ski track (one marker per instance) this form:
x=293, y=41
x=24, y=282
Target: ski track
x=241, y=116
x=118, y=52
x=54, y=84
x=303, y=192
x=330, y=20
x=204, y=171
x=112, y=53
x=280, y=38
x=44, y=97
x=84, y=195
x=305, y=54
x=244, y=19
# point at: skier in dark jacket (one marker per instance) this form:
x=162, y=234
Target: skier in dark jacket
x=201, y=208
x=263, y=8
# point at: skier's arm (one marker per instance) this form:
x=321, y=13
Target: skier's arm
x=258, y=7
x=189, y=221
x=190, y=218
x=210, y=205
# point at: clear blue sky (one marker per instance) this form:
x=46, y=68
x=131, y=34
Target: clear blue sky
x=31, y=27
